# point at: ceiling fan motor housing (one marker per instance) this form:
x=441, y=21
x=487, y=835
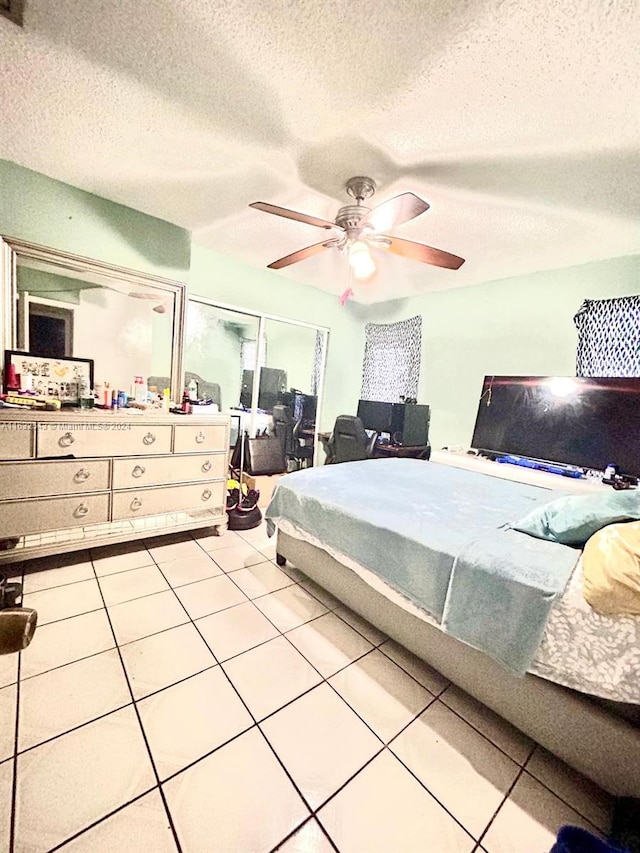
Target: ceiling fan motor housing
x=350, y=216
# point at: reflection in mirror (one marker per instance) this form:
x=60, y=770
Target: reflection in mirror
x=289, y=385
x=219, y=355
x=64, y=306
x=228, y=347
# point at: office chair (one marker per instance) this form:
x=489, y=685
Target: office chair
x=289, y=435
x=349, y=442
x=302, y=452
x=283, y=428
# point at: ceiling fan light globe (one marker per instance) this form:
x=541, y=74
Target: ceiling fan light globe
x=361, y=261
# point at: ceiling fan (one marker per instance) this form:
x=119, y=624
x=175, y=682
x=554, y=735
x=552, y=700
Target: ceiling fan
x=359, y=229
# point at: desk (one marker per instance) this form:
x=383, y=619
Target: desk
x=420, y=451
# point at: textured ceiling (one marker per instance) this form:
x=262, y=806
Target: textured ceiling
x=518, y=122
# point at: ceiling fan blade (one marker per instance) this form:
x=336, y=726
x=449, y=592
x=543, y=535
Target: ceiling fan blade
x=292, y=214
x=420, y=252
x=395, y=211
x=300, y=255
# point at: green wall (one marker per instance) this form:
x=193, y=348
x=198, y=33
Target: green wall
x=519, y=326
x=40, y=210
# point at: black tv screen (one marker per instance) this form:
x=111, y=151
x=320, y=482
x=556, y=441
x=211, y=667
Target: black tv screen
x=374, y=415
x=581, y=421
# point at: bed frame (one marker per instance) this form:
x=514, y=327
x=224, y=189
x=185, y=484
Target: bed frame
x=596, y=742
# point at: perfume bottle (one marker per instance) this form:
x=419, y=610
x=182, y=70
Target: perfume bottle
x=86, y=394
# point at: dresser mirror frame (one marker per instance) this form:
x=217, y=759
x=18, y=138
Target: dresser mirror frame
x=263, y=319
x=14, y=252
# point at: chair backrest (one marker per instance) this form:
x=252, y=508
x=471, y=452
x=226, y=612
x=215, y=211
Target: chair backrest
x=350, y=441
x=283, y=428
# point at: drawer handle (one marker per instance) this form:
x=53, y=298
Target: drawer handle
x=149, y=438
x=81, y=510
x=206, y=494
x=66, y=440
x=82, y=475
x=200, y=437
x=136, y=503
x=206, y=466
x=138, y=471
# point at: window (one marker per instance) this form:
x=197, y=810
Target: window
x=391, y=367
x=608, y=337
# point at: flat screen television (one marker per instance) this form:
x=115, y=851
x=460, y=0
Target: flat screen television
x=581, y=421
x=375, y=416
x=273, y=382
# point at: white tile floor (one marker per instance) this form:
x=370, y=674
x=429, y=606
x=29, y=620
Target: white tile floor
x=186, y=694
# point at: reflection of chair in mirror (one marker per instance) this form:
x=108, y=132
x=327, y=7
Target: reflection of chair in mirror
x=295, y=449
x=206, y=390
x=349, y=442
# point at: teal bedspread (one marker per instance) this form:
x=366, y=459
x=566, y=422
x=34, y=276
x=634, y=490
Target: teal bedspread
x=439, y=536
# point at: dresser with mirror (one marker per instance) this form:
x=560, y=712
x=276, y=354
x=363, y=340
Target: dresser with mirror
x=73, y=478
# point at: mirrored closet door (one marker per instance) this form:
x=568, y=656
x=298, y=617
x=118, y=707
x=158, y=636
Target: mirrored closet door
x=265, y=371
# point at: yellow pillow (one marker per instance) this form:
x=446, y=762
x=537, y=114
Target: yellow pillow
x=611, y=563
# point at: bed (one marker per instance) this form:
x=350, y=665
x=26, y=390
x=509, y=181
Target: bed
x=574, y=686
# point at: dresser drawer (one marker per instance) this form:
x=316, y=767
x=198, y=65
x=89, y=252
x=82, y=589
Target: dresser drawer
x=131, y=472
x=19, y=518
x=39, y=479
x=16, y=440
x=93, y=438
x=141, y=502
x=189, y=438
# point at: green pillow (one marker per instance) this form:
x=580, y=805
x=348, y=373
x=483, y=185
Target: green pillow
x=573, y=519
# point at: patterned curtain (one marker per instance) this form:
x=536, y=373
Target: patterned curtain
x=391, y=367
x=317, y=362
x=608, y=337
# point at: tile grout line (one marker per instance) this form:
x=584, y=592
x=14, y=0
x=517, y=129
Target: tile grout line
x=521, y=771
x=258, y=723
x=251, y=715
x=480, y=732
x=309, y=820
x=385, y=746
x=507, y=794
x=562, y=799
x=14, y=788
x=14, y=781
x=142, y=731
x=100, y=820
